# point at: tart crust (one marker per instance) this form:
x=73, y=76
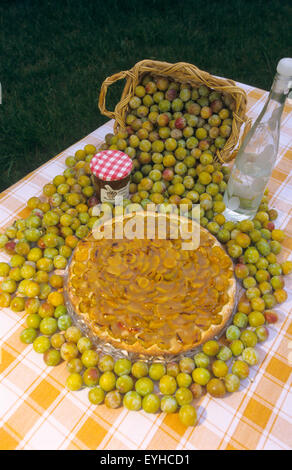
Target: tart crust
x=176, y=347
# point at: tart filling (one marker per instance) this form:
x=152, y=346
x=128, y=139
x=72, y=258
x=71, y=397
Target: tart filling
x=149, y=295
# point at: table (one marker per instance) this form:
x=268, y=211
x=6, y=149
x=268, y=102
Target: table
x=36, y=412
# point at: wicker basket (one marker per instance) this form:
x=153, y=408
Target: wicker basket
x=181, y=72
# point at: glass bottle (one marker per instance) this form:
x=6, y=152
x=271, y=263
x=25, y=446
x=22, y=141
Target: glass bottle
x=257, y=155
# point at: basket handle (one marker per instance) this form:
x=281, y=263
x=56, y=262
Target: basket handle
x=246, y=129
x=247, y=123
x=103, y=91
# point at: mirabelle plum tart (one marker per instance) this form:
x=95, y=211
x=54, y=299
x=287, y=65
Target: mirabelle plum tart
x=149, y=295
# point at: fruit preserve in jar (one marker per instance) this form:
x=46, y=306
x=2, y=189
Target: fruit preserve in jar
x=111, y=171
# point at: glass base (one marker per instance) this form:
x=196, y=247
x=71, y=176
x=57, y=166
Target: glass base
x=237, y=216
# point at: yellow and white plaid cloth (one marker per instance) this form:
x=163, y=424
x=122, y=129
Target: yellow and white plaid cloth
x=36, y=412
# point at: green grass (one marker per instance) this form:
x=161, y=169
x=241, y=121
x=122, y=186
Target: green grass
x=55, y=55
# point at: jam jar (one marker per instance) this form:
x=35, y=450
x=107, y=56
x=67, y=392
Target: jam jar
x=111, y=171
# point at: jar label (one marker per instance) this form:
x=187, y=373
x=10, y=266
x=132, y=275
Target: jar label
x=108, y=194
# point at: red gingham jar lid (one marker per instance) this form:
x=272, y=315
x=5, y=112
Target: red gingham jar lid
x=111, y=165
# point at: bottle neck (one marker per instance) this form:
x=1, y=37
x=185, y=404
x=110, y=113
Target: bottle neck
x=274, y=105
x=282, y=84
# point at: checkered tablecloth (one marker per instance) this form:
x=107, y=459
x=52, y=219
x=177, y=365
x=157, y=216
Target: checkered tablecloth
x=36, y=412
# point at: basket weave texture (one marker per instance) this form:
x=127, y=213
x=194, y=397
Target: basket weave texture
x=181, y=72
